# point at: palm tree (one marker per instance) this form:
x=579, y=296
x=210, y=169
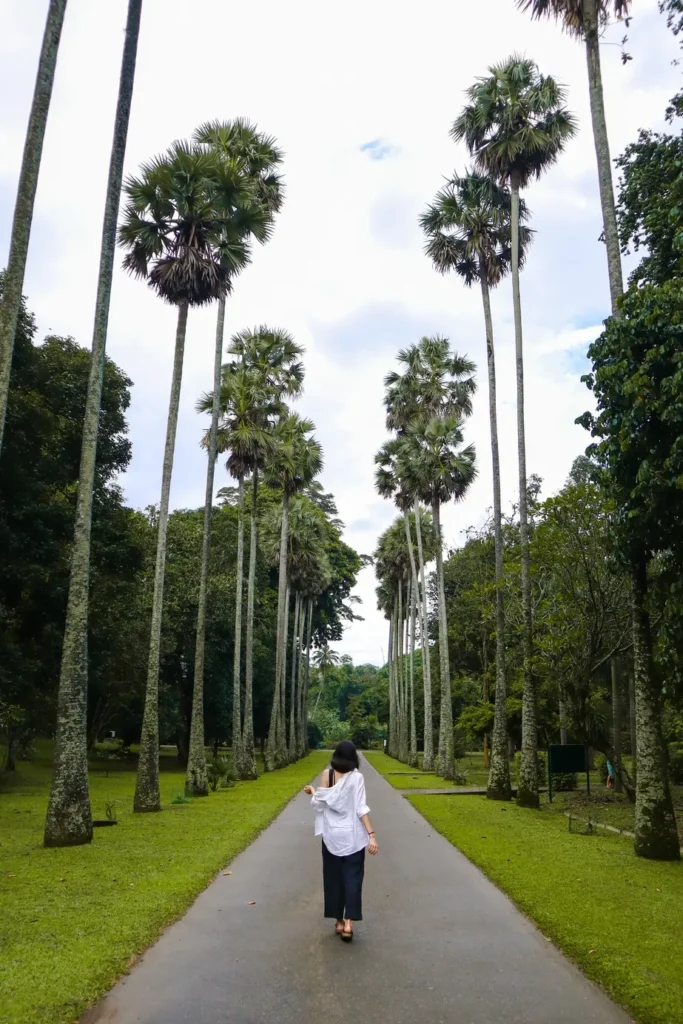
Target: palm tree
x=295, y=460
x=516, y=126
x=388, y=484
x=239, y=146
x=468, y=231
x=274, y=358
x=585, y=19
x=435, y=463
x=13, y=281
x=182, y=239
x=434, y=381
x=69, y=818
x=324, y=659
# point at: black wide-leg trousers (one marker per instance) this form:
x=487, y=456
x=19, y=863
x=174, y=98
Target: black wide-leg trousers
x=343, y=885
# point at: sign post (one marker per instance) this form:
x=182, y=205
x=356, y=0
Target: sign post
x=567, y=759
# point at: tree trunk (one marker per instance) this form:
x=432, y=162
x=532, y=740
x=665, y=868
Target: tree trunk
x=445, y=767
x=428, y=758
x=248, y=755
x=274, y=752
x=655, y=828
x=527, y=784
x=283, y=686
x=196, y=781
x=498, y=787
x=391, y=745
x=13, y=281
x=616, y=722
x=562, y=709
x=147, y=797
x=600, y=138
x=294, y=699
x=632, y=723
x=237, y=752
x=402, y=705
x=412, y=759
x=69, y=816
x=308, y=673
x=304, y=630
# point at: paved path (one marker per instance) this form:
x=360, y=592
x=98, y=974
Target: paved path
x=440, y=943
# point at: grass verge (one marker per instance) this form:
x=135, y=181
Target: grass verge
x=72, y=919
x=617, y=916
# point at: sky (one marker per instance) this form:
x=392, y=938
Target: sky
x=361, y=98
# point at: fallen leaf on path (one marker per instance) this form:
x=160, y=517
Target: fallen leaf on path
x=592, y=950
x=14, y=876
x=251, y=903
x=227, y=872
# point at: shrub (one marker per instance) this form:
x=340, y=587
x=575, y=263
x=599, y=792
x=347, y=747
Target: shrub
x=601, y=768
x=564, y=782
x=220, y=772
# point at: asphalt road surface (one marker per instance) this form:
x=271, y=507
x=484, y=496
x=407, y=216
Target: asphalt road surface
x=439, y=942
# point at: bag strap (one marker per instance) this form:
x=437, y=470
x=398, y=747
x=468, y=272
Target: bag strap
x=331, y=778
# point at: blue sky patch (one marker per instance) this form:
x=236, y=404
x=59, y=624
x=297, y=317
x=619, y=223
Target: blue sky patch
x=378, y=149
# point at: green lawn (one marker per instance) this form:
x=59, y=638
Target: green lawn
x=72, y=919
x=617, y=916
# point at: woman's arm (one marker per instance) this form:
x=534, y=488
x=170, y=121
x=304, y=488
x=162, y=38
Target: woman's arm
x=324, y=783
x=373, y=847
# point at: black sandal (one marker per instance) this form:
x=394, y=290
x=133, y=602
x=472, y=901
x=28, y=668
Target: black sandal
x=346, y=936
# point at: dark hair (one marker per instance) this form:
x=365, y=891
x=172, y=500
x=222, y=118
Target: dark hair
x=345, y=757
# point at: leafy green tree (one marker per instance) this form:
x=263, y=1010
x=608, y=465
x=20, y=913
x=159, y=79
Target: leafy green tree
x=651, y=206
x=181, y=238
x=637, y=384
x=585, y=19
x=239, y=146
x=516, y=126
x=69, y=818
x=468, y=232
x=10, y=300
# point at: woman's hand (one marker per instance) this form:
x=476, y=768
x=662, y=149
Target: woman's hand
x=373, y=848
x=309, y=790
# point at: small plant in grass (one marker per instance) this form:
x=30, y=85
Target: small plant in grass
x=460, y=777
x=110, y=810
x=220, y=771
x=181, y=798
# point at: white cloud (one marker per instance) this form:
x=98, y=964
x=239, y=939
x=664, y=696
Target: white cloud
x=345, y=271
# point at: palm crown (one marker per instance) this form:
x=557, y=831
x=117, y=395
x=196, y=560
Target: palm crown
x=515, y=123
x=188, y=223
x=435, y=381
x=240, y=140
x=433, y=463
x=572, y=12
x=468, y=229
x=296, y=457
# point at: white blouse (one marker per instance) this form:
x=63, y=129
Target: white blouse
x=339, y=810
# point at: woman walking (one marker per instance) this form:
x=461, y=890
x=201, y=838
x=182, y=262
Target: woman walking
x=342, y=819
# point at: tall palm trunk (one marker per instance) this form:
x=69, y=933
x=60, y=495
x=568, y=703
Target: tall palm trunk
x=284, y=760
x=412, y=753
x=274, y=751
x=601, y=140
x=196, y=781
x=308, y=673
x=527, y=786
x=403, y=718
x=655, y=828
x=303, y=702
x=632, y=724
x=445, y=766
x=391, y=745
x=428, y=758
x=498, y=787
x=13, y=283
x=237, y=751
x=294, y=701
x=69, y=817
x=248, y=767
x=147, y=797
